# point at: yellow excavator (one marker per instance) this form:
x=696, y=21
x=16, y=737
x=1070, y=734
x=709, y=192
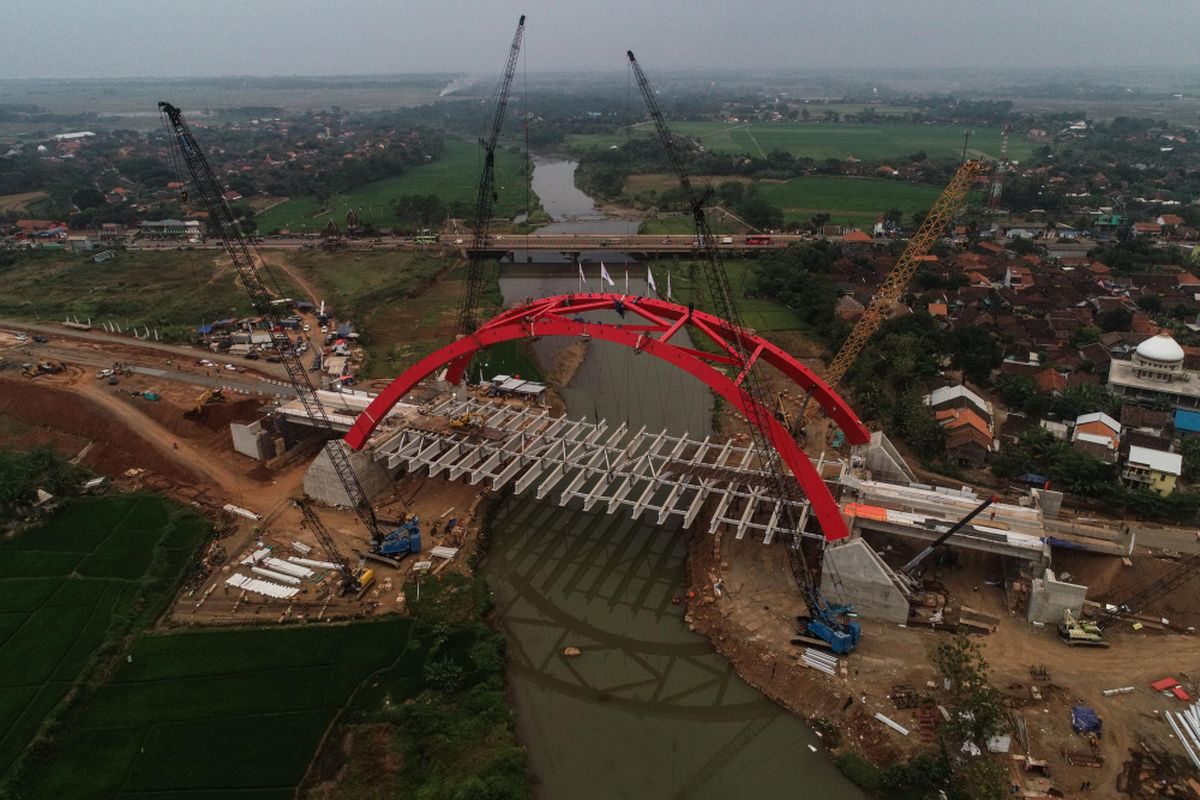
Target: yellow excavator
x=205, y=398
x=1080, y=632
x=467, y=420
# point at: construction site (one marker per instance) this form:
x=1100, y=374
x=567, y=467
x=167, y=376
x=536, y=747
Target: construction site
x=821, y=563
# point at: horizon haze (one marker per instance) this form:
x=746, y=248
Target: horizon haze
x=137, y=39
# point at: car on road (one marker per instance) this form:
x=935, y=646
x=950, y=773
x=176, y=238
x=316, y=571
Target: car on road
x=112, y=381
x=40, y=339
x=231, y=367
x=307, y=327
x=22, y=337
x=104, y=373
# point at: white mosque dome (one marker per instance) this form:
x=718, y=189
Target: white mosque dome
x=1161, y=349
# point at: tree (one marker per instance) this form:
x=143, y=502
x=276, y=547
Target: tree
x=1189, y=448
x=22, y=473
x=916, y=425
x=1077, y=472
x=976, y=352
x=87, y=197
x=1150, y=303
x=1115, y=319
x=1085, y=335
x=976, y=713
x=1015, y=390
x=757, y=211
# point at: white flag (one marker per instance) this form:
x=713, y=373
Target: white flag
x=650, y=279
x=604, y=276
x=668, y=284
x=582, y=277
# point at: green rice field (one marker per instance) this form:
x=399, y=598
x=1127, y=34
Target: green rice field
x=454, y=176
x=217, y=713
x=853, y=201
x=820, y=140
x=91, y=706
x=68, y=589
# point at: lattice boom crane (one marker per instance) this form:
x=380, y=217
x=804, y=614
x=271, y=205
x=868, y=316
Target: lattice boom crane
x=221, y=216
x=485, y=198
x=894, y=285
x=840, y=635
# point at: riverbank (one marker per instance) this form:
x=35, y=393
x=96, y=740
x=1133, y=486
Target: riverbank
x=752, y=632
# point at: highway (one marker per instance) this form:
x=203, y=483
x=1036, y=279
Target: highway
x=553, y=242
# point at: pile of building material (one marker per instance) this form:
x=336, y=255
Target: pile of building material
x=1186, y=725
x=820, y=661
x=1170, y=687
x=268, y=588
x=310, y=562
x=288, y=567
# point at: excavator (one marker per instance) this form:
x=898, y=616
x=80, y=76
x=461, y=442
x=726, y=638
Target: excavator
x=468, y=420
x=1080, y=632
x=203, y=399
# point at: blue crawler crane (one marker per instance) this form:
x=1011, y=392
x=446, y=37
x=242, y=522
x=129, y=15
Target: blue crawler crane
x=404, y=540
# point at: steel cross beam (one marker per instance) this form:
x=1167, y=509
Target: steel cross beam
x=562, y=316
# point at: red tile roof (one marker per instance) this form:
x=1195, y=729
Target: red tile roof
x=857, y=237
x=1050, y=380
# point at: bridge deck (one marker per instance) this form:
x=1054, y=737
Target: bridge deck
x=926, y=513
x=610, y=468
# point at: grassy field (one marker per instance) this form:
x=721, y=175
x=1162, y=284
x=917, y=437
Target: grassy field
x=172, y=290
x=760, y=313
x=855, y=201
x=232, y=712
x=216, y=712
x=452, y=177
x=826, y=140
x=69, y=589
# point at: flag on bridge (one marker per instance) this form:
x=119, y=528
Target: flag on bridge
x=650, y=279
x=604, y=276
x=668, y=284
x=582, y=278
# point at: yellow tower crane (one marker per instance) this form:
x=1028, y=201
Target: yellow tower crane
x=896, y=282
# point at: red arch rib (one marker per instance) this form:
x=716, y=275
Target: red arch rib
x=562, y=316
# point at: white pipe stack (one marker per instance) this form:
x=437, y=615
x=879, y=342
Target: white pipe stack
x=820, y=661
x=275, y=576
x=308, y=562
x=1186, y=725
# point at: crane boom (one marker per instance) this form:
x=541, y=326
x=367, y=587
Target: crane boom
x=350, y=581
x=1135, y=601
x=841, y=636
x=908, y=568
x=485, y=198
x=221, y=216
x=896, y=282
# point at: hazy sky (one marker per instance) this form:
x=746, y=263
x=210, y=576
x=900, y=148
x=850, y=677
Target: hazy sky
x=116, y=38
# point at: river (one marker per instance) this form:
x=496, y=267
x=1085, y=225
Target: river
x=649, y=710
